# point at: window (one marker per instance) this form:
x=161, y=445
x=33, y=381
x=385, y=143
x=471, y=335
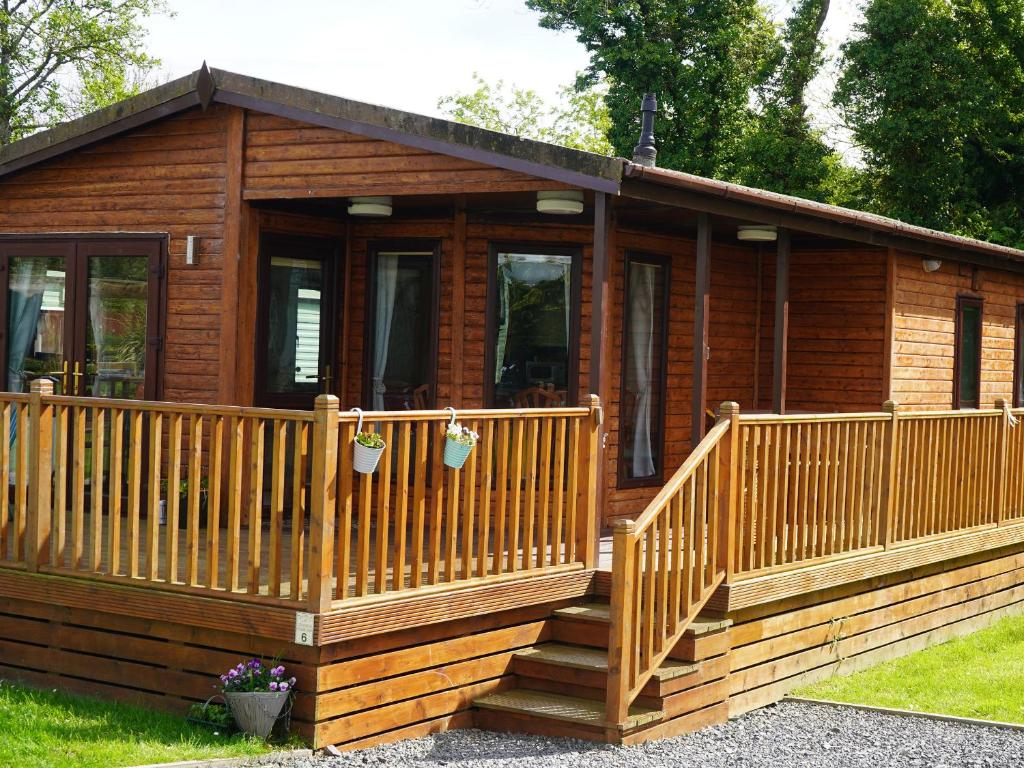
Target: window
x=644, y=353
x=967, y=359
x=533, y=319
x=402, y=353
x=1018, y=360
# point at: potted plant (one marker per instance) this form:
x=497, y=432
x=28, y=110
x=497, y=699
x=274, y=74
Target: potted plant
x=458, y=442
x=368, y=448
x=256, y=693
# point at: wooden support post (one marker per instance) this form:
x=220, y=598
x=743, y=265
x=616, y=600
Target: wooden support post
x=600, y=333
x=701, y=317
x=323, y=500
x=231, y=254
x=40, y=464
x=781, y=362
x=730, y=480
x=587, y=524
x=1002, y=476
x=890, y=471
x=458, y=305
x=620, y=632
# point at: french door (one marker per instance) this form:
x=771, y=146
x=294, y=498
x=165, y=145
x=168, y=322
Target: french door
x=295, y=325
x=82, y=311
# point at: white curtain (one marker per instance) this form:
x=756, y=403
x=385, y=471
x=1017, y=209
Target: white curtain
x=24, y=300
x=387, y=279
x=96, y=321
x=641, y=341
x=504, y=279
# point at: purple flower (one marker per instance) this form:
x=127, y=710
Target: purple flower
x=233, y=674
x=277, y=671
x=273, y=686
x=281, y=687
x=292, y=681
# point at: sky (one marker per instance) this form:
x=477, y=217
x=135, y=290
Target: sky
x=399, y=53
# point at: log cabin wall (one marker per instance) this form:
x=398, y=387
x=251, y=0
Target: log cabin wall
x=924, y=330
x=165, y=177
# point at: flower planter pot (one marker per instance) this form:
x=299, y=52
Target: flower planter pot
x=365, y=459
x=256, y=712
x=456, y=453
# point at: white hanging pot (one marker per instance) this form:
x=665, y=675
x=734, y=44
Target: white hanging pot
x=455, y=453
x=365, y=458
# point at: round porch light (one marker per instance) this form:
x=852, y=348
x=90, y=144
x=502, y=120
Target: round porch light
x=757, y=233
x=378, y=205
x=931, y=265
x=563, y=202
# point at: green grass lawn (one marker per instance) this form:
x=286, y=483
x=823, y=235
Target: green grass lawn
x=40, y=729
x=980, y=675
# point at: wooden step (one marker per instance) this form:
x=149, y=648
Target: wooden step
x=527, y=705
x=592, y=659
x=601, y=613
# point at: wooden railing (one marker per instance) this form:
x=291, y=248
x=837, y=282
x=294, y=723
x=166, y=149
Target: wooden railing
x=264, y=505
x=763, y=494
x=667, y=563
x=523, y=501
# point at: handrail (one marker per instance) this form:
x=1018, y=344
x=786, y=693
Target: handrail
x=667, y=564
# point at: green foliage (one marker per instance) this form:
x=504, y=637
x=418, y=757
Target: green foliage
x=49, y=729
x=370, y=440
x=61, y=58
x=933, y=92
x=208, y=713
x=579, y=121
x=975, y=676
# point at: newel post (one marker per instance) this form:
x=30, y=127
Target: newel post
x=587, y=524
x=323, y=501
x=890, y=466
x=620, y=629
x=732, y=482
x=1001, y=451
x=40, y=467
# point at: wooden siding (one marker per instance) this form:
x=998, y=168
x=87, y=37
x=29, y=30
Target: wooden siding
x=924, y=330
x=286, y=158
x=166, y=177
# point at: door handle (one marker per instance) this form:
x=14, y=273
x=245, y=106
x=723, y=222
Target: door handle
x=327, y=379
x=77, y=374
x=64, y=379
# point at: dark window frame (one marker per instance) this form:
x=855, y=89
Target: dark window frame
x=665, y=262
x=328, y=255
x=154, y=245
x=374, y=248
x=1018, y=359
x=962, y=301
x=575, y=311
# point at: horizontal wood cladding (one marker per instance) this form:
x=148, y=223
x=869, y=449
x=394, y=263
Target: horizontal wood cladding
x=848, y=629
x=285, y=158
x=164, y=177
x=924, y=330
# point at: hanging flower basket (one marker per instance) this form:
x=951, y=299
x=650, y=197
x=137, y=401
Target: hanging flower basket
x=367, y=449
x=458, y=444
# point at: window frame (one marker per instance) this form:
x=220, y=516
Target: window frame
x=373, y=249
x=1018, y=359
x=575, y=311
x=665, y=262
x=962, y=301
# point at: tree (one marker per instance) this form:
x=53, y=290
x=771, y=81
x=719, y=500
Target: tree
x=933, y=93
x=702, y=59
x=579, y=121
x=59, y=58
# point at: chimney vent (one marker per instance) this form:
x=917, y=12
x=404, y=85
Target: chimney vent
x=645, y=153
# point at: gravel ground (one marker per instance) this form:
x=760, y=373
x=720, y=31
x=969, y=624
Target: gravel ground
x=787, y=735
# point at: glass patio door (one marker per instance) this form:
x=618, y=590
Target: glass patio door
x=82, y=313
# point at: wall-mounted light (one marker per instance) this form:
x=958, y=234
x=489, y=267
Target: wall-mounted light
x=375, y=205
x=563, y=202
x=757, y=233
x=931, y=265
x=190, y=250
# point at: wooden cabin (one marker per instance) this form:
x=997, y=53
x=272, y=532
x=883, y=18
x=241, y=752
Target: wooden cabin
x=201, y=282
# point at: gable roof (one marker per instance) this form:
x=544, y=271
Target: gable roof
x=547, y=161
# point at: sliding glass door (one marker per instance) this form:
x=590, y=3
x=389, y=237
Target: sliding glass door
x=401, y=359
x=82, y=312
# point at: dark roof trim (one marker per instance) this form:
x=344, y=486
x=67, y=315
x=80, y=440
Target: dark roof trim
x=546, y=161
x=761, y=206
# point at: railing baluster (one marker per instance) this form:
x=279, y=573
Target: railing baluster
x=173, y=496
x=279, y=448
x=401, y=506
x=383, y=522
x=485, y=516
x=114, y=486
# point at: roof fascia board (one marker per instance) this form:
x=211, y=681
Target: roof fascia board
x=326, y=111
x=652, y=191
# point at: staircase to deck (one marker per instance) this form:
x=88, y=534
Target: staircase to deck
x=561, y=686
